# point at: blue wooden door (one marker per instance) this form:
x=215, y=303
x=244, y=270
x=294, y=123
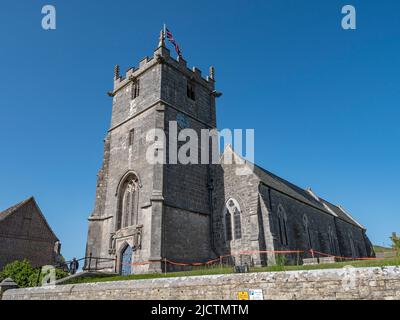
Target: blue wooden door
x=126, y=261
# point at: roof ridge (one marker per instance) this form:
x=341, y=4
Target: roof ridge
x=17, y=205
x=322, y=204
x=5, y=213
x=290, y=189
x=349, y=215
x=8, y=212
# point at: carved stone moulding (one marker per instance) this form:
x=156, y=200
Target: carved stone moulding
x=131, y=235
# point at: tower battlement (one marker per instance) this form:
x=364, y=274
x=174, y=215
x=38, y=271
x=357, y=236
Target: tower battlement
x=162, y=56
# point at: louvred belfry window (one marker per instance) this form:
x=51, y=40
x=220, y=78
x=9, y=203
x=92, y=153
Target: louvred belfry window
x=135, y=89
x=190, y=91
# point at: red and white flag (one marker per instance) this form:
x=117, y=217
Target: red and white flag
x=172, y=40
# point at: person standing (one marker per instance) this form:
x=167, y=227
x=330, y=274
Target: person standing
x=74, y=266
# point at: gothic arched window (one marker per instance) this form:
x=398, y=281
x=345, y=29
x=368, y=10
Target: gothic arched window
x=127, y=207
x=238, y=223
x=233, y=220
x=282, y=224
x=228, y=226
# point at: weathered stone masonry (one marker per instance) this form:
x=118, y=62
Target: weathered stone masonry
x=196, y=212
x=359, y=284
x=25, y=234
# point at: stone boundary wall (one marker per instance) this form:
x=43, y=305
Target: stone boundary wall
x=347, y=283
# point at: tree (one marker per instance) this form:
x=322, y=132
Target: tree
x=395, y=243
x=24, y=275
x=20, y=271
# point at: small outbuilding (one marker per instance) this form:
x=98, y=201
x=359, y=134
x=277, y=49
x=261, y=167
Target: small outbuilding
x=25, y=234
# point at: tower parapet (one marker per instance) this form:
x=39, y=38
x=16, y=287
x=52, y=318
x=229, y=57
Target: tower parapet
x=161, y=56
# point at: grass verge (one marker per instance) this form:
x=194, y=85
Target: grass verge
x=214, y=270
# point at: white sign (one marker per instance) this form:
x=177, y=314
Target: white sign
x=256, y=294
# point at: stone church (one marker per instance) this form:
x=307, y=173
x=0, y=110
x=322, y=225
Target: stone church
x=146, y=213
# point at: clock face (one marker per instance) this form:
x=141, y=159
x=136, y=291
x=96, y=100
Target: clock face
x=182, y=121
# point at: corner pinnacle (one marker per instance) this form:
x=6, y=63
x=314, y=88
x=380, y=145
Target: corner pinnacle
x=161, y=42
x=116, y=72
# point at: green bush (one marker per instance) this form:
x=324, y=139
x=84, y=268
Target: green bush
x=24, y=275
x=20, y=271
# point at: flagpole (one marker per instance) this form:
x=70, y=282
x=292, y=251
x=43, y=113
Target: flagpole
x=165, y=30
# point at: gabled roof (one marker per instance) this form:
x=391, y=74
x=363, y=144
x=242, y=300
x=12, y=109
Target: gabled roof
x=13, y=209
x=306, y=196
x=4, y=214
x=343, y=214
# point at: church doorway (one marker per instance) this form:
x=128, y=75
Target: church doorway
x=126, y=261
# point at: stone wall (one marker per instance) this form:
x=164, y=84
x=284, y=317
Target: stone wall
x=26, y=235
x=340, y=284
x=321, y=225
x=186, y=236
x=244, y=189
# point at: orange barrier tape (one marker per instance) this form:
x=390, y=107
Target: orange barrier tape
x=193, y=263
x=270, y=251
x=144, y=263
x=177, y=263
x=345, y=258
x=219, y=259
x=141, y=263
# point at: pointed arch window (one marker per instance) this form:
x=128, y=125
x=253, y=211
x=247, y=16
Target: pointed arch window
x=233, y=220
x=282, y=224
x=228, y=226
x=238, y=223
x=127, y=204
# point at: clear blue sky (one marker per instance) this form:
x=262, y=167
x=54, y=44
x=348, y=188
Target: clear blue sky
x=324, y=102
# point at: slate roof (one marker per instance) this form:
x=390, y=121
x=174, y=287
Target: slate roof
x=302, y=195
x=293, y=191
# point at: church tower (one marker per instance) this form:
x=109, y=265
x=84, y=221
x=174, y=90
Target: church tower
x=148, y=213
